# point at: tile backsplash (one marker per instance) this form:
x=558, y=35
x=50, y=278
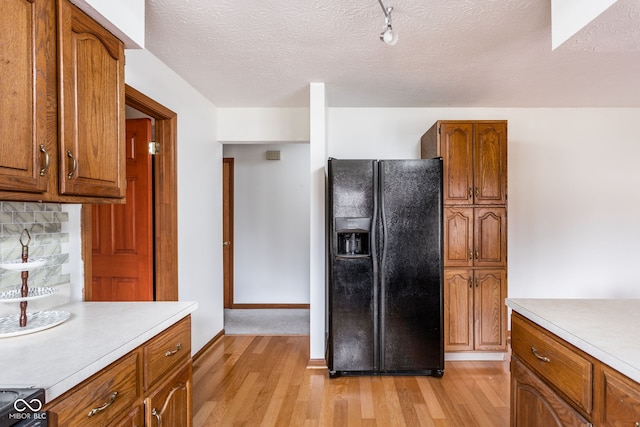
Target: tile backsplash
x=45, y=223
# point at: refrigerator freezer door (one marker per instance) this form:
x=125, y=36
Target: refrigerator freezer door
x=411, y=266
x=352, y=279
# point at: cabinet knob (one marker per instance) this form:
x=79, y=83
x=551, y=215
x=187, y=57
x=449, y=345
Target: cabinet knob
x=538, y=356
x=105, y=406
x=156, y=414
x=74, y=164
x=169, y=353
x=45, y=168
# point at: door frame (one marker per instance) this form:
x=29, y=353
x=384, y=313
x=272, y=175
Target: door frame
x=165, y=199
x=228, y=216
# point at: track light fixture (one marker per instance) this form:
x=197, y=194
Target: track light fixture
x=388, y=36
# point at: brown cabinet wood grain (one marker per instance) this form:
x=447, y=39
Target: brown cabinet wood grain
x=27, y=94
x=565, y=368
x=103, y=398
x=474, y=310
x=618, y=399
x=170, y=403
x=534, y=404
x=152, y=375
x=474, y=157
x=475, y=237
x=91, y=110
x=62, y=110
x=556, y=383
x=474, y=154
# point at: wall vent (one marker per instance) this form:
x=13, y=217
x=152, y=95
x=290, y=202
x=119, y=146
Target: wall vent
x=273, y=155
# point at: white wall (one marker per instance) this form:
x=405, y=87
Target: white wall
x=574, y=198
x=271, y=224
x=199, y=189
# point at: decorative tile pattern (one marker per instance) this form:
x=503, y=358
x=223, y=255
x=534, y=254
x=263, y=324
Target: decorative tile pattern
x=44, y=222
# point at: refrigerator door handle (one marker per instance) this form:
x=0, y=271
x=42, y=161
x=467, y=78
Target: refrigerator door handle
x=374, y=258
x=383, y=258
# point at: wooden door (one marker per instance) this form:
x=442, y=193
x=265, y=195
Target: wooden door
x=490, y=164
x=227, y=230
x=457, y=152
x=91, y=107
x=122, y=256
x=490, y=311
x=26, y=83
x=458, y=237
x=490, y=237
x=458, y=310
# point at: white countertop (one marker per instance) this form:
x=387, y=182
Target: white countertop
x=606, y=329
x=97, y=334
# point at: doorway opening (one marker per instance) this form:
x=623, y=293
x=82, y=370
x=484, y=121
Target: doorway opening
x=164, y=216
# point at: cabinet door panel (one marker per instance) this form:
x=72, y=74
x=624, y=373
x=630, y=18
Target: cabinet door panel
x=458, y=237
x=490, y=311
x=490, y=237
x=619, y=399
x=26, y=59
x=91, y=107
x=170, y=404
x=457, y=153
x=490, y=163
x=458, y=310
x=534, y=404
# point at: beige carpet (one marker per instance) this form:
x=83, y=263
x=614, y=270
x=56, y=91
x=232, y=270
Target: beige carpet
x=266, y=322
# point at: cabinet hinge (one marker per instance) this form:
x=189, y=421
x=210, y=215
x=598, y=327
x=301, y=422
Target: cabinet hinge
x=154, y=148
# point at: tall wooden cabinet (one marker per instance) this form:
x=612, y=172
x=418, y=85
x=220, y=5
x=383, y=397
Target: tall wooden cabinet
x=61, y=105
x=474, y=157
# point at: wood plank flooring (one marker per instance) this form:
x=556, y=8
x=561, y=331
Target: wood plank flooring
x=264, y=381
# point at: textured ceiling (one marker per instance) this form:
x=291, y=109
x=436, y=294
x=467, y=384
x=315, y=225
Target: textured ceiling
x=451, y=53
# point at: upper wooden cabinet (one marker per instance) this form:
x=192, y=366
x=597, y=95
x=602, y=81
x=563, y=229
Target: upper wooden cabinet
x=475, y=237
x=27, y=67
x=61, y=111
x=91, y=106
x=475, y=160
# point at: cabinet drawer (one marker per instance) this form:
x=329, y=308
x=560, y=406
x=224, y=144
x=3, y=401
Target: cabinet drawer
x=554, y=360
x=103, y=397
x=166, y=350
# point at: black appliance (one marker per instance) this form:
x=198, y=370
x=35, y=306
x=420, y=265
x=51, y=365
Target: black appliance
x=385, y=272
x=22, y=407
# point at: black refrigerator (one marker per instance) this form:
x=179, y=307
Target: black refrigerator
x=385, y=272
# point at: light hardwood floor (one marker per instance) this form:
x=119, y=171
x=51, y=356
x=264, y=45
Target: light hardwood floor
x=265, y=381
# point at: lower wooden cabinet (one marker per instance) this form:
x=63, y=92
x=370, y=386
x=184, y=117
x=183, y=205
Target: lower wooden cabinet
x=125, y=394
x=170, y=403
x=475, y=314
x=619, y=399
x=556, y=384
x=534, y=404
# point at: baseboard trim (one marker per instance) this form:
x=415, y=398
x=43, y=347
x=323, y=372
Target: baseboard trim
x=207, y=346
x=249, y=306
x=475, y=356
x=317, y=364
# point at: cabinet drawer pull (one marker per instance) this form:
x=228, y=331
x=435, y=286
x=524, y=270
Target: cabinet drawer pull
x=74, y=164
x=103, y=407
x=172, y=352
x=539, y=357
x=156, y=414
x=45, y=168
